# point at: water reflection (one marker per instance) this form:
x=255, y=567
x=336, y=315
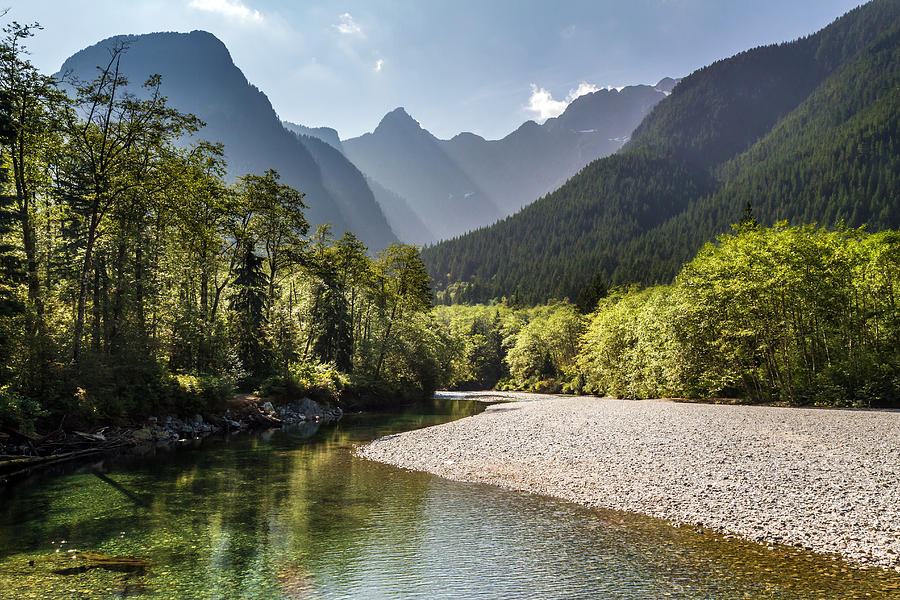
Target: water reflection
x=292, y=514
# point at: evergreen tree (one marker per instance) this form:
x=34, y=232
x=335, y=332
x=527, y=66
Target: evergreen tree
x=248, y=312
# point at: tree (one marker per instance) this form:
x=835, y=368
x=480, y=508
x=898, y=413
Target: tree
x=402, y=288
x=113, y=141
x=31, y=102
x=277, y=223
x=248, y=308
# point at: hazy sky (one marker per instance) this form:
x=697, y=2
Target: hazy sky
x=456, y=65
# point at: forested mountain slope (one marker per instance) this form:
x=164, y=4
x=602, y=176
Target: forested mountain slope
x=198, y=76
x=803, y=131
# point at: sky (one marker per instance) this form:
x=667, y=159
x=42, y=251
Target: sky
x=484, y=66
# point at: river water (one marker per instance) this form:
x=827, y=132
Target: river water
x=293, y=514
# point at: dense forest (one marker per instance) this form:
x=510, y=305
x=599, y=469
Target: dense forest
x=136, y=279
x=796, y=315
x=805, y=131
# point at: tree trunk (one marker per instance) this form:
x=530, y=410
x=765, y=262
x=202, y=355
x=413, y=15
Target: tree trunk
x=84, y=281
x=384, y=341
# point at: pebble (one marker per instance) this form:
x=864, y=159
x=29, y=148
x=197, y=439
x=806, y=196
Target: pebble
x=827, y=480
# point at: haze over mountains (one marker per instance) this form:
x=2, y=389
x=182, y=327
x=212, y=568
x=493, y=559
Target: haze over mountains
x=468, y=182
x=805, y=131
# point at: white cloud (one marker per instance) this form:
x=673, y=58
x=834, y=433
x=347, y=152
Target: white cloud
x=347, y=25
x=545, y=107
x=582, y=89
x=379, y=64
x=231, y=9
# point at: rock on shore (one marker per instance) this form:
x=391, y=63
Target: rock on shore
x=825, y=480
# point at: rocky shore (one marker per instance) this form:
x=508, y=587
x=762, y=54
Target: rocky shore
x=825, y=480
x=22, y=454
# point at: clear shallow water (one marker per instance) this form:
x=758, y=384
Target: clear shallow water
x=295, y=515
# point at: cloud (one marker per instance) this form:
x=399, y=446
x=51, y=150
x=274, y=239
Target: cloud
x=231, y=9
x=582, y=89
x=545, y=107
x=347, y=25
x=379, y=64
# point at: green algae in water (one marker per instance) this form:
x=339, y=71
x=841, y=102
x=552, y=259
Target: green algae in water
x=295, y=515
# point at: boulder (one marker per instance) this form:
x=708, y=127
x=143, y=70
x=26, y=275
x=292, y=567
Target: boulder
x=143, y=435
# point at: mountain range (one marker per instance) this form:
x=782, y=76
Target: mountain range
x=468, y=182
x=399, y=181
x=804, y=131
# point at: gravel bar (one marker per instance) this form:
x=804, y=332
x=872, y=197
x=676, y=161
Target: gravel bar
x=822, y=479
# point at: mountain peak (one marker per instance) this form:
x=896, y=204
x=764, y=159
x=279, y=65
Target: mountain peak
x=398, y=119
x=666, y=85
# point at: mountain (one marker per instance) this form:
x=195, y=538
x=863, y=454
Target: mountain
x=199, y=77
x=326, y=134
x=536, y=159
x=403, y=219
x=468, y=182
x=804, y=131
x=411, y=162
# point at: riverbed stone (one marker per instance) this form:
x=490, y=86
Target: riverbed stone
x=823, y=479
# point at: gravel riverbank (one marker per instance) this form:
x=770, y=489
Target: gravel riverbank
x=826, y=480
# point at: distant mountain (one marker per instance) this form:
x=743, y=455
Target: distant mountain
x=536, y=159
x=468, y=182
x=410, y=161
x=403, y=219
x=804, y=131
x=198, y=76
x=326, y=134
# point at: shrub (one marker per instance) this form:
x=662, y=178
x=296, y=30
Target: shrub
x=320, y=381
x=18, y=412
x=190, y=394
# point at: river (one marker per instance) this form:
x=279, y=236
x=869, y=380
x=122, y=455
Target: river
x=293, y=514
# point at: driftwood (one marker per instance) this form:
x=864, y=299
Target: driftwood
x=261, y=418
x=57, y=447
x=94, y=560
x=34, y=462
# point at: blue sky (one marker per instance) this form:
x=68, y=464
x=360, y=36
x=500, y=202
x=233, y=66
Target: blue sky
x=456, y=65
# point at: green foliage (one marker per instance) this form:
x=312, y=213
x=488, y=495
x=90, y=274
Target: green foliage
x=798, y=315
x=500, y=346
x=793, y=315
x=625, y=349
x=17, y=412
x=248, y=314
x=319, y=381
x=191, y=394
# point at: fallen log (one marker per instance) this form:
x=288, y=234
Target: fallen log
x=29, y=464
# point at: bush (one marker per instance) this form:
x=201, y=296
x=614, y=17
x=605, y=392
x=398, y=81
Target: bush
x=320, y=381
x=17, y=412
x=191, y=394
